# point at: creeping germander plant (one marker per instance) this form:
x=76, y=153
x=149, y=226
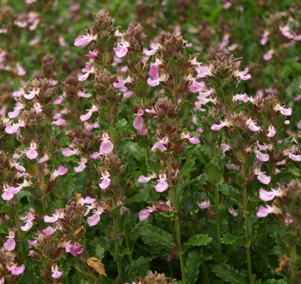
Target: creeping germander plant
x=148, y=166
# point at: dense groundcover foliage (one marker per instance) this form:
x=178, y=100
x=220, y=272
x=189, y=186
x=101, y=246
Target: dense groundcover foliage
x=150, y=141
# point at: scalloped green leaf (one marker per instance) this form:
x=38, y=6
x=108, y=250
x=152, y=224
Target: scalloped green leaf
x=161, y=236
x=197, y=241
x=193, y=262
x=228, y=274
x=229, y=239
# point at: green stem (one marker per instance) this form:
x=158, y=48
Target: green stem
x=263, y=241
x=247, y=231
x=127, y=242
x=177, y=225
x=207, y=281
x=218, y=225
x=293, y=266
x=116, y=246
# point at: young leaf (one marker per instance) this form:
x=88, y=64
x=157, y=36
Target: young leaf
x=229, y=239
x=197, y=241
x=228, y=274
x=161, y=236
x=193, y=262
x=275, y=281
x=214, y=173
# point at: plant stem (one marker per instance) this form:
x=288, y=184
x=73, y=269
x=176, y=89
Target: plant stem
x=127, y=242
x=247, y=231
x=177, y=225
x=293, y=266
x=207, y=281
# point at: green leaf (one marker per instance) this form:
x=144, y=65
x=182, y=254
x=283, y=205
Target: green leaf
x=173, y=67
x=214, y=173
x=229, y=239
x=228, y=274
x=189, y=163
x=157, y=234
x=275, y=281
x=193, y=262
x=289, y=239
x=99, y=251
x=198, y=240
x=229, y=190
x=141, y=89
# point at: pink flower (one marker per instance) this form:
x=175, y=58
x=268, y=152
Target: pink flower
x=153, y=72
x=58, y=100
x=67, y=152
x=84, y=40
x=243, y=97
x=162, y=184
x=74, y=248
x=160, y=145
x=81, y=166
x=87, y=116
x=270, y=195
x=121, y=50
x=10, y=191
x=205, y=204
x=14, y=269
x=265, y=211
x=10, y=244
x=296, y=158
x=191, y=139
x=268, y=56
x=56, y=273
x=49, y=230
x=59, y=172
x=30, y=216
x=89, y=69
x=217, y=127
x=196, y=86
x=143, y=179
x=271, y=131
x=227, y=5
x=105, y=180
x=262, y=157
x=244, y=74
x=31, y=152
x=94, y=219
x=144, y=214
x=138, y=122
x=106, y=146
x=59, y=214
x=262, y=177
x=252, y=125
x=232, y=212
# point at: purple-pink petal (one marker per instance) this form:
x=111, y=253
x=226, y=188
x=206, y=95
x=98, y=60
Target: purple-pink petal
x=62, y=170
x=49, y=230
x=31, y=153
x=144, y=179
x=266, y=195
x=194, y=140
x=144, y=214
x=10, y=244
x=83, y=77
x=50, y=219
x=286, y=111
x=161, y=186
x=120, y=51
x=105, y=183
x=67, y=152
x=106, y=146
x=93, y=220
x=262, y=157
x=159, y=145
x=28, y=225
x=217, y=127
x=296, y=158
x=153, y=72
x=80, y=168
x=18, y=270
x=87, y=116
x=263, y=212
x=138, y=122
x=153, y=82
x=264, y=178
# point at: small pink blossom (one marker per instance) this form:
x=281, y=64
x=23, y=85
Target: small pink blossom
x=14, y=269
x=262, y=177
x=9, y=191
x=49, y=230
x=205, y=204
x=242, y=97
x=55, y=272
x=144, y=214
x=243, y=75
x=58, y=100
x=227, y=5
x=84, y=40
x=89, y=69
x=268, y=56
x=196, y=86
x=30, y=216
x=10, y=244
x=106, y=146
x=252, y=125
x=265, y=211
x=296, y=158
x=59, y=172
x=232, y=212
x=262, y=157
x=106, y=181
x=270, y=195
x=31, y=152
x=138, y=122
x=59, y=214
x=81, y=166
x=94, y=219
x=162, y=183
x=191, y=139
x=271, y=131
x=67, y=152
x=122, y=49
x=160, y=145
